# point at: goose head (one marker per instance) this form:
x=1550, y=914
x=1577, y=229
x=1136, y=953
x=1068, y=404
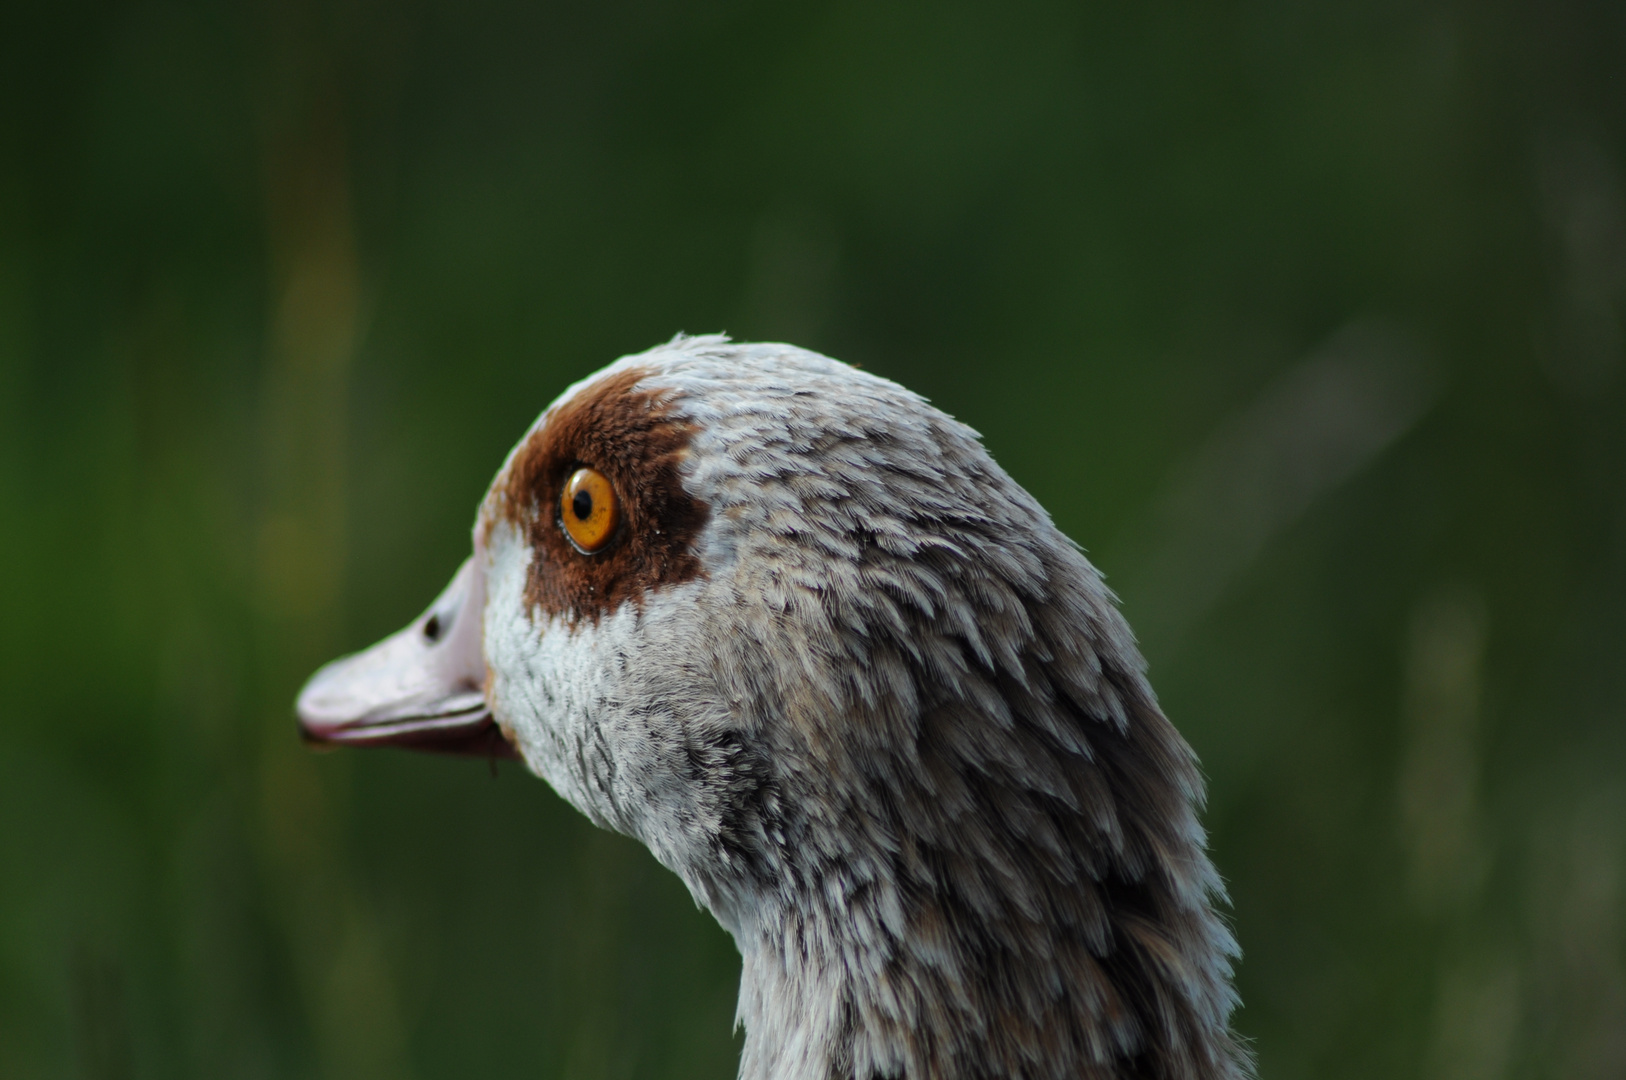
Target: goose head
x=792, y=628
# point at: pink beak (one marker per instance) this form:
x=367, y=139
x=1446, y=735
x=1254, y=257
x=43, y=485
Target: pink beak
x=422, y=688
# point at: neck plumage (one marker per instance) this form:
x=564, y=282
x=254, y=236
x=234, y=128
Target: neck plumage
x=876, y=984
x=956, y=836
x=1045, y=913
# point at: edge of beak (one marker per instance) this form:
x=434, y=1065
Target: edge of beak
x=421, y=688
x=472, y=734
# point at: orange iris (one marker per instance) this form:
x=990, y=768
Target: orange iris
x=589, y=509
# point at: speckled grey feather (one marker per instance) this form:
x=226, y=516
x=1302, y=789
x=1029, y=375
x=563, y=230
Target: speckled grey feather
x=896, y=737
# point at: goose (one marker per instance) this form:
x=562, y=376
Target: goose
x=790, y=626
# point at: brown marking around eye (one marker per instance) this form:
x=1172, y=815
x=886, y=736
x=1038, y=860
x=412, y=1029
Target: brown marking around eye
x=634, y=438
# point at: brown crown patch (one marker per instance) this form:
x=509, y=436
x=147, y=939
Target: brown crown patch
x=633, y=437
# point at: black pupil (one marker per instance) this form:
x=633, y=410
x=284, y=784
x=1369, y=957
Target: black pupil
x=582, y=505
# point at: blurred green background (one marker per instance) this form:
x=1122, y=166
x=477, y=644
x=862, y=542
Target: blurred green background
x=1305, y=318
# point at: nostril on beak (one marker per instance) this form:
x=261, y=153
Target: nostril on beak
x=432, y=629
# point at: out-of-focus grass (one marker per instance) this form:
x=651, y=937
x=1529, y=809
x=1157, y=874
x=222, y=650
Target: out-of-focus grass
x=1306, y=320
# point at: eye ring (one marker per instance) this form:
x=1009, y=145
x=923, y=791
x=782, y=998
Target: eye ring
x=589, y=510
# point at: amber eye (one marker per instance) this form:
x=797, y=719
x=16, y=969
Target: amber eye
x=588, y=509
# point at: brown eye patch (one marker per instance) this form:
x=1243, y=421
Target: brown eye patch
x=632, y=438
